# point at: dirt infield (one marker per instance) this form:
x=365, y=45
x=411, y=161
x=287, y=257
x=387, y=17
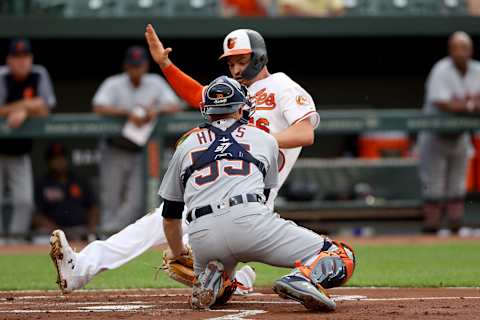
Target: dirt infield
x=362, y=303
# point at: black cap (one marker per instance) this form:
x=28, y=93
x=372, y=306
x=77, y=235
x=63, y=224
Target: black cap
x=136, y=55
x=19, y=46
x=55, y=150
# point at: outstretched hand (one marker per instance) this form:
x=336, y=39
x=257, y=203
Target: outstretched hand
x=158, y=52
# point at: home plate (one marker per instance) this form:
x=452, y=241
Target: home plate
x=117, y=307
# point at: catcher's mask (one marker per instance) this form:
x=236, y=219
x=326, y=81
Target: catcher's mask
x=247, y=41
x=225, y=95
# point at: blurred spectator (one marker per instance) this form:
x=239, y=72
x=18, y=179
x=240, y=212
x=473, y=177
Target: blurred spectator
x=246, y=8
x=25, y=91
x=121, y=163
x=62, y=199
x=452, y=86
x=474, y=7
x=313, y=8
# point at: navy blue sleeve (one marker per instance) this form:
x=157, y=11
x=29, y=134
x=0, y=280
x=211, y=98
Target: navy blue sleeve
x=172, y=209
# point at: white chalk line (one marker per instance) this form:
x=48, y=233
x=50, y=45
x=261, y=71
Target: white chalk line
x=132, y=306
x=239, y=316
x=123, y=308
x=186, y=289
x=418, y=298
x=142, y=302
x=65, y=301
x=6, y=301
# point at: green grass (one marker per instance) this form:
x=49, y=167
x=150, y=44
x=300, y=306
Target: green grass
x=454, y=264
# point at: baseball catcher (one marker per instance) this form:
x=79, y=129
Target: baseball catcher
x=223, y=172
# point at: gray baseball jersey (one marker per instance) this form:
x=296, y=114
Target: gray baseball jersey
x=118, y=91
x=443, y=157
x=224, y=178
x=121, y=169
x=246, y=232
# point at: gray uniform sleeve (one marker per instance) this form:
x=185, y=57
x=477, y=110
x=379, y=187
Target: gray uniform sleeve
x=45, y=88
x=271, y=177
x=172, y=187
x=165, y=94
x=105, y=95
x=438, y=89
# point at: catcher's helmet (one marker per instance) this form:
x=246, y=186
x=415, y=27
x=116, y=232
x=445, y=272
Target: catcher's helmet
x=244, y=41
x=226, y=95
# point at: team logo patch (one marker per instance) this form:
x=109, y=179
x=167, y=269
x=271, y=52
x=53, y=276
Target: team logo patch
x=301, y=100
x=231, y=42
x=75, y=191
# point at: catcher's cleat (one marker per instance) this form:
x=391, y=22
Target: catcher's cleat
x=64, y=259
x=302, y=290
x=245, y=278
x=208, y=286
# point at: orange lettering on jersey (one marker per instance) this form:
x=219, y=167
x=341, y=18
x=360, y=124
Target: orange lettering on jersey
x=260, y=123
x=265, y=100
x=263, y=124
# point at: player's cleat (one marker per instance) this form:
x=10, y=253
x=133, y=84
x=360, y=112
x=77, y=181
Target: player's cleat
x=245, y=278
x=64, y=259
x=302, y=290
x=208, y=286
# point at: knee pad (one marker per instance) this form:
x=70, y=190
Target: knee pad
x=330, y=268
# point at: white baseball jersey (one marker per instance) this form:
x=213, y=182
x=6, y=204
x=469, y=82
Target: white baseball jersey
x=280, y=103
x=445, y=83
x=224, y=178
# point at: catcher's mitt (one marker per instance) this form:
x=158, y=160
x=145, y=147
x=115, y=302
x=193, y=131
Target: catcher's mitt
x=181, y=268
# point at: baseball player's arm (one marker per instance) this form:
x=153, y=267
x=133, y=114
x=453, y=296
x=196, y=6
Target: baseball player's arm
x=166, y=109
x=111, y=111
x=17, y=112
x=172, y=226
x=440, y=92
x=301, y=134
x=7, y=108
x=173, y=233
x=185, y=86
x=34, y=107
x=456, y=105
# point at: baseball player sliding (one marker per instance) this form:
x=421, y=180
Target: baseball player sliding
x=284, y=109
x=223, y=172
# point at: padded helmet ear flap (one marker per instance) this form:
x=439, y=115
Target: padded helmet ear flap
x=259, y=57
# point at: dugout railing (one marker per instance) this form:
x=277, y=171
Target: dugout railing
x=398, y=172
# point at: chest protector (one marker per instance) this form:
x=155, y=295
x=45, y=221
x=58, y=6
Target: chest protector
x=223, y=147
